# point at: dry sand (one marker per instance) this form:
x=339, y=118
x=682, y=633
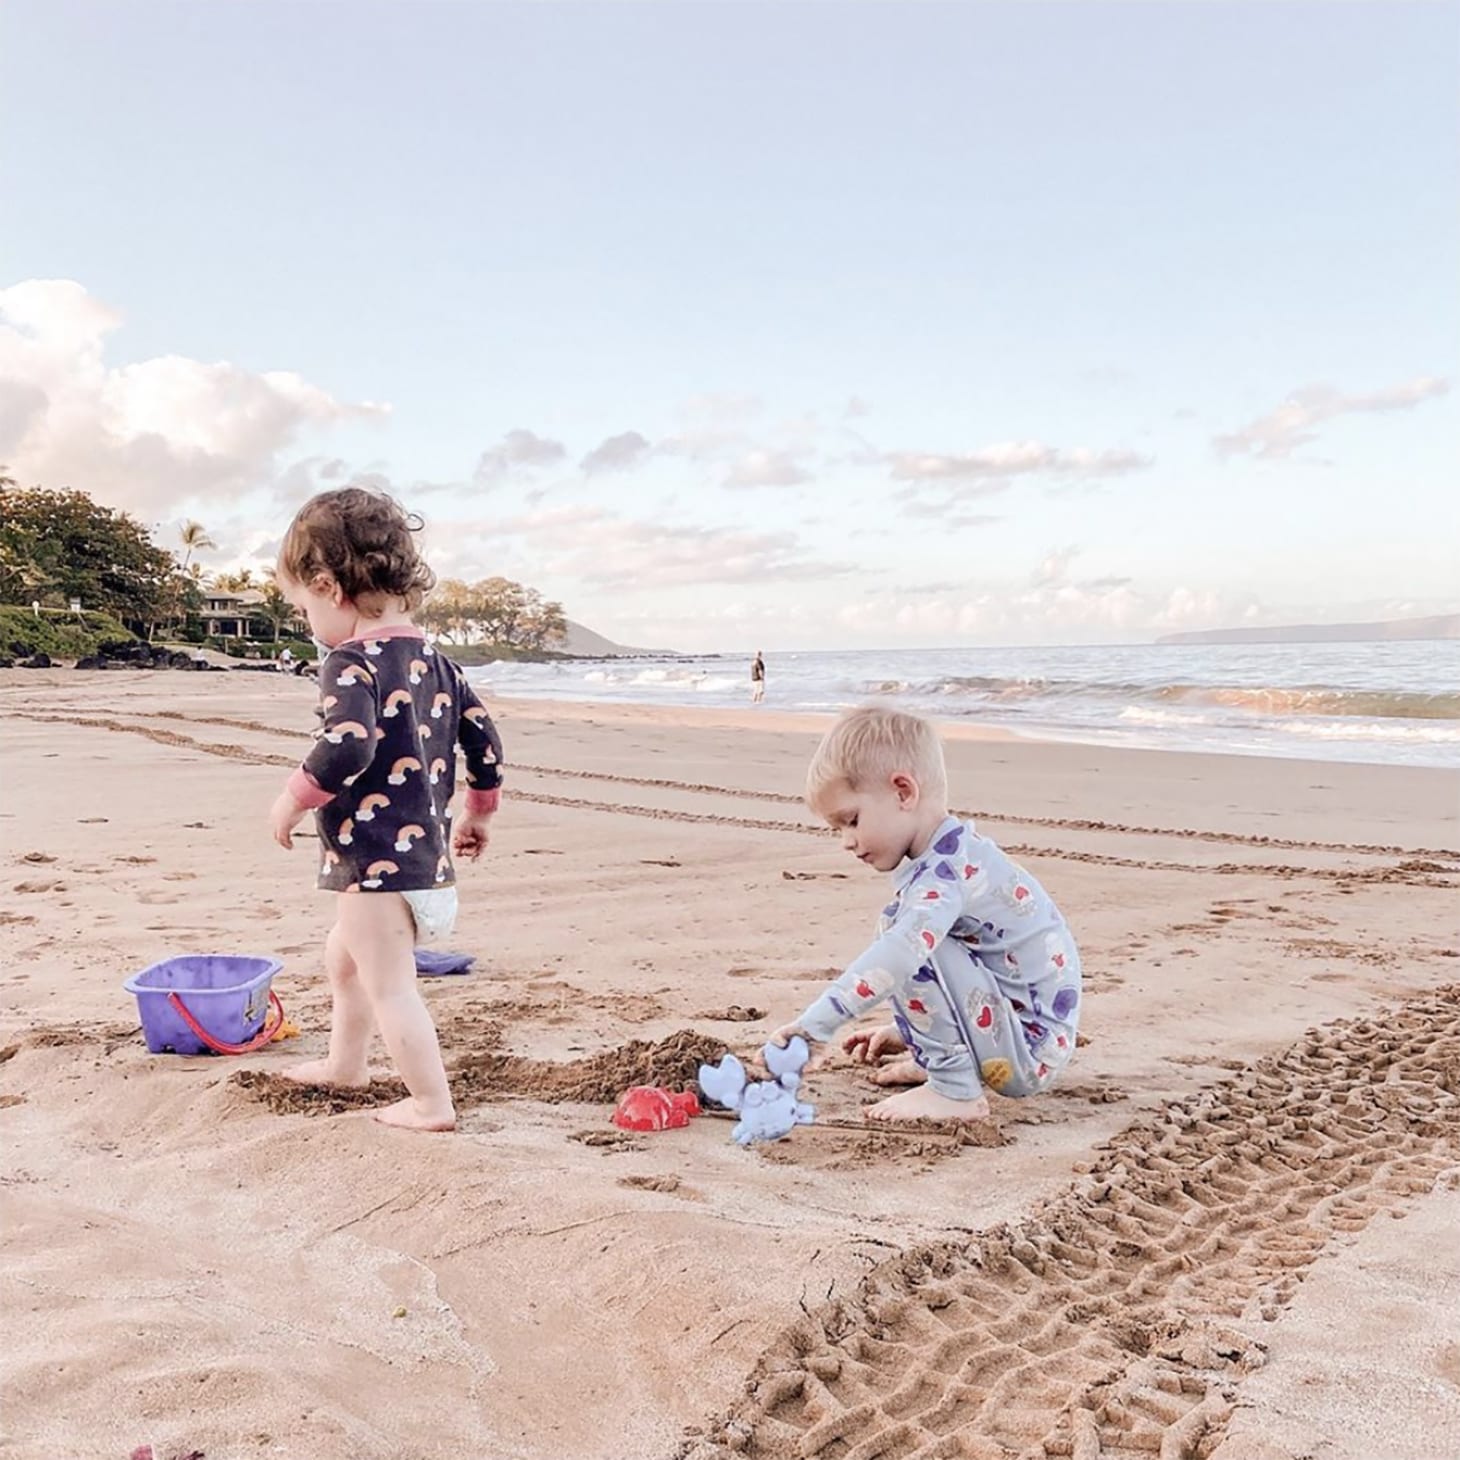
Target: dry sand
x=1191, y=1248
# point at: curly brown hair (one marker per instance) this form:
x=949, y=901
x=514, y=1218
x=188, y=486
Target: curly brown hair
x=363, y=540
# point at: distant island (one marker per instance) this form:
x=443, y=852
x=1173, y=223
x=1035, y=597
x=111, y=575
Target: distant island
x=583, y=643
x=1443, y=626
x=577, y=643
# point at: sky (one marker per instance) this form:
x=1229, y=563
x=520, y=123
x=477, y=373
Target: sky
x=761, y=325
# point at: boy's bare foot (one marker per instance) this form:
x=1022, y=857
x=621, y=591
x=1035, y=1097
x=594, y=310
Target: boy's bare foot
x=900, y=1072
x=925, y=1103
x=411, y=1114
x=320, y=1072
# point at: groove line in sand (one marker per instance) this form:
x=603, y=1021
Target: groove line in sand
x=1054, y=823
x=1118, y=1319
x=1418, y=874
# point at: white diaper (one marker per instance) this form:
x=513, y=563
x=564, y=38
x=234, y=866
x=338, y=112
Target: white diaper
x=434, y=910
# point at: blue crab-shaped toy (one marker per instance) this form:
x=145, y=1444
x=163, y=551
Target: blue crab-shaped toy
x=768, y=1109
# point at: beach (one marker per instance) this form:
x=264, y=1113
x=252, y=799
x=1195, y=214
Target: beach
x=1228, y=1231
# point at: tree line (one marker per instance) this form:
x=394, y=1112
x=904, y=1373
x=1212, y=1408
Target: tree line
x=494, y=611
x=57, y=547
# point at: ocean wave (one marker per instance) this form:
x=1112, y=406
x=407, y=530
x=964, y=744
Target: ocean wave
x=1319, y=700
x=1300, y=700
x=1317, y=730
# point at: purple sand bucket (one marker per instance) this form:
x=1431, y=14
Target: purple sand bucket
x=206, y=1001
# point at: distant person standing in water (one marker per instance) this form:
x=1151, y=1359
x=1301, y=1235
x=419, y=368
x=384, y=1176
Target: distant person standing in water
x=757, y=678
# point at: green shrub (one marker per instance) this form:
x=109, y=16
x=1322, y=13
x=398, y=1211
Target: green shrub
x=62, y=637
x=470, y=655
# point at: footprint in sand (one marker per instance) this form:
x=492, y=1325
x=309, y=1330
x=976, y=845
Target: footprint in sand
x=666, y=1184
x=751, y=970
x=40, y=887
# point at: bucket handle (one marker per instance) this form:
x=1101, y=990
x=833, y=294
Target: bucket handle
x=221, y=1046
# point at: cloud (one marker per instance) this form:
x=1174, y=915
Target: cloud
x=1055, y=566
x=767, y=469
x=1275, y=436
x=616, y=453
x=517, y=450
x=591, y=546
x=146, y=436
x=948, y=511
x=1066, y=610
x=1012, y=458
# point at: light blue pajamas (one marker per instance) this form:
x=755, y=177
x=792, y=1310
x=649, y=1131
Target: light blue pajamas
x=978, y=962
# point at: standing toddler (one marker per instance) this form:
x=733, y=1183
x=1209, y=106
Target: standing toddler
x=380, y=781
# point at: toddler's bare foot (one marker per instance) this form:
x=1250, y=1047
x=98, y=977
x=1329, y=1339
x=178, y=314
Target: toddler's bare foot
x=321, y=1072
x=925, y=1103
x=413, y=1114
x=900, y=1072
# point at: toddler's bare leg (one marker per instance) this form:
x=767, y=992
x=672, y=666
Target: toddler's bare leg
x=350, y=1023
x=380, y=935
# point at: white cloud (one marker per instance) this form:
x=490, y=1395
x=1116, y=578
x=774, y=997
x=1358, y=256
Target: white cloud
x=1051, y=609
x=767, y=469
x=1280, y=432
x=588, y=545
x=616, y=453
x=1012, y=458
x=146, y=436
x=518, y=450
x=947, y=512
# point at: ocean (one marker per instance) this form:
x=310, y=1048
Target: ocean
x=1388, y=703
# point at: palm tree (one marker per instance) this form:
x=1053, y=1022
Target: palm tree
x=194, y=537
x=276, y=610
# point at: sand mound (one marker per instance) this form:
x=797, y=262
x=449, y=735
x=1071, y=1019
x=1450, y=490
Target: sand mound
x=476, y=1078
x=673, y=1062
x=285, y=1097
x=734, y=1014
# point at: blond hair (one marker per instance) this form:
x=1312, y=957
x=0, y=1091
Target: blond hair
x=868, y=746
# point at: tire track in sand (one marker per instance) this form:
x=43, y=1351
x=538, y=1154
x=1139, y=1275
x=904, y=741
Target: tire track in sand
x=1412, y=872
x=1054, y=823
x=1101, y=1327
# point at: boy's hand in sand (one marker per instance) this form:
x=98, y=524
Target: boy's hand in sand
x=868, y=1046
x=286, y=814
x=472, y=835
x=787, y=1032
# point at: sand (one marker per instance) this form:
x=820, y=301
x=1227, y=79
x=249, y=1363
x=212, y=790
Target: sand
x=1230, y=1232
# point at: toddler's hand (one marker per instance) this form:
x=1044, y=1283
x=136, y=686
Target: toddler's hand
x=869, y=1045
x=285, y=815
x=472, y=835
